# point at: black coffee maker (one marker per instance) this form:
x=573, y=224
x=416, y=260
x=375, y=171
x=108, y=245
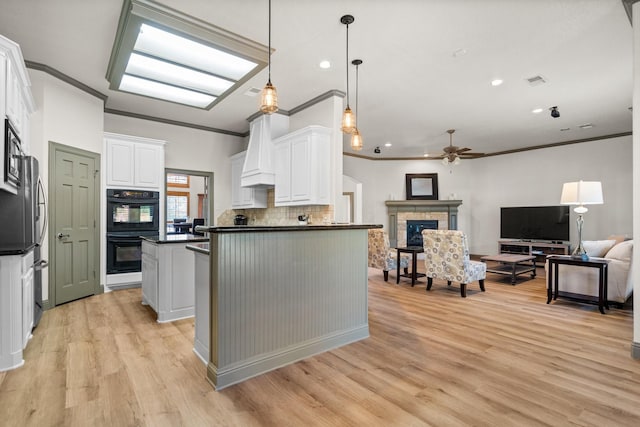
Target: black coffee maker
x=240, y=220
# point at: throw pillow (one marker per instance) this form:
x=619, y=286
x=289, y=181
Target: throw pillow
x=618, y=238
x=597, y=248
x=621, y=251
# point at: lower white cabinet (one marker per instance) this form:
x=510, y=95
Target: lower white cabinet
x=168, y=279
x=302, y=167
x=16, y=308
x=244, y=197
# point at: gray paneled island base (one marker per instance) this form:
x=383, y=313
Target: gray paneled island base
x=282, y=294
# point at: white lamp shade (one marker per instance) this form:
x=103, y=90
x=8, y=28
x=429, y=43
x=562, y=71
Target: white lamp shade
x=582, y=193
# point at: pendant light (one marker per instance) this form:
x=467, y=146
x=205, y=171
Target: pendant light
x=269, y=98
x=348, y=117
x=356, y=137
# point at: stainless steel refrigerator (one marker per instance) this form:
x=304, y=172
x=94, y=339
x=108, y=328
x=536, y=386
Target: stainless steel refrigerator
x=23, y=219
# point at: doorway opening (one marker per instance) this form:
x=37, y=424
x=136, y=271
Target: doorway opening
x=189, y=200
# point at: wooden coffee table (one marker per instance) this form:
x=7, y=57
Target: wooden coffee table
x=511, y=265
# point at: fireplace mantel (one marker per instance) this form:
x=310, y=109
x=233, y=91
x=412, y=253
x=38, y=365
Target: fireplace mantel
x=416, y=208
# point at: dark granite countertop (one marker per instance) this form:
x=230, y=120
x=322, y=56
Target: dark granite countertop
x=266, y=228
x=199, y=247
x=163, y=238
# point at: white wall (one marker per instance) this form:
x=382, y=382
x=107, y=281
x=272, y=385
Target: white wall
x=64, y=115
x=190, y=149
x=521, y=179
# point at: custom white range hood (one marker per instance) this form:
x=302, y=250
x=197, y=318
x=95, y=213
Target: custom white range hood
x=258, y=164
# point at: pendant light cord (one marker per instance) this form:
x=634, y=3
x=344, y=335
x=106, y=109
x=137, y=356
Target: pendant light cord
x=269, y=42
x=347, y=62
x=357, y=79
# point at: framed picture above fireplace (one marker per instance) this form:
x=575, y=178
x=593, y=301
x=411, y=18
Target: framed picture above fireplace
x=422, y=186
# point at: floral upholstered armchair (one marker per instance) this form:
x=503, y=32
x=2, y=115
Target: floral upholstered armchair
x=447, y=257
x=382, y=256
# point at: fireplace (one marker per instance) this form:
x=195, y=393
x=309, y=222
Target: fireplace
x=445, y=212
x=414, y=230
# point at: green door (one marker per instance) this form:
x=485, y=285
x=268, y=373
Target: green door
x=74, y=225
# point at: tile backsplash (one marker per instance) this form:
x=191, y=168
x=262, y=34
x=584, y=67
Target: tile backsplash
x=272, y=215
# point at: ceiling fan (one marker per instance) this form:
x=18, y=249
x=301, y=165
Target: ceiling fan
x=453, y=153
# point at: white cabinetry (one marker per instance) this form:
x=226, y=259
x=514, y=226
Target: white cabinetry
x=244, y=197
x=28, y=301
x=16, y=308
x=16, y=101
x=302, y=167
x=134, y=162
x=168, y=283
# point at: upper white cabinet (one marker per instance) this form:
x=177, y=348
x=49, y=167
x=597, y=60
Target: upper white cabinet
x=302, y=167
x=134, y=162
x=244, y=197
x=16, y=103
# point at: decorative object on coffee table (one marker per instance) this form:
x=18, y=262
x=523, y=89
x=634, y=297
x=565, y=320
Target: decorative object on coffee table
x=581, y=193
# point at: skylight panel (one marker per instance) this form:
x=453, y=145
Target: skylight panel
x=162, y=53
x=155, y=69
x=153, y=89
x=165, y=45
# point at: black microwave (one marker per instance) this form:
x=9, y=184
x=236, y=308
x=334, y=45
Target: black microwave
x=12, y=155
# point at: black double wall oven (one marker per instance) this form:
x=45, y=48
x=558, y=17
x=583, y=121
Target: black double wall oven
x=131, y=214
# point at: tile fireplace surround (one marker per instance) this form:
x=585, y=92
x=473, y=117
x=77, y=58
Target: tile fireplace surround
x=399, y=211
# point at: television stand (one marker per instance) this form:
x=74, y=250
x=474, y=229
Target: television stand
x=538, y=249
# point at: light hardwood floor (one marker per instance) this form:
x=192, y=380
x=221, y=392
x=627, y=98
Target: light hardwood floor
x=499, y=358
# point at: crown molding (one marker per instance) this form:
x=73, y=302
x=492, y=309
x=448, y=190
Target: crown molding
x=173, y=122
x=65, y=78
x=498, y=153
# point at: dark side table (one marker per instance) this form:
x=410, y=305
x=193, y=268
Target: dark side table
x=414, y=251
x=599, y=263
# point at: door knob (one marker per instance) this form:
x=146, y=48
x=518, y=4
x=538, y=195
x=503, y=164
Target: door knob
x=62, y=236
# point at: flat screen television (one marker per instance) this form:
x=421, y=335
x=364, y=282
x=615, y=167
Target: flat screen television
x=535, y=223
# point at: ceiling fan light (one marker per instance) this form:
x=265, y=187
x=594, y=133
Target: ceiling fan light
x=445, y=161
x=356, y=140
x=269, y=99
x=456, y=161
x=348, y=121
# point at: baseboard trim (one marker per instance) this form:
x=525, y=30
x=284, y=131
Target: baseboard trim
x=250, y=368
x=635, y=350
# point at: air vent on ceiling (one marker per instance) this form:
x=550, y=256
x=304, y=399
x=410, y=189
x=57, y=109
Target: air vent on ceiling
x=586, y=126
x=536, y=80
x=252, y=91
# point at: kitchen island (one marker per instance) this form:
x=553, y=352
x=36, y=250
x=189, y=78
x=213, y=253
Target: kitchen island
x=279, y=294
x=168, y=284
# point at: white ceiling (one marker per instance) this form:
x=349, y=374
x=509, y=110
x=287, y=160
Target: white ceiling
x=412, y=87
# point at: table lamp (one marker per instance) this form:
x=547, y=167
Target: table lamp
x=581, y=193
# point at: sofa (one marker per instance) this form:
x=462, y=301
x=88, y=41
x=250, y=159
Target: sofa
x=580, y=281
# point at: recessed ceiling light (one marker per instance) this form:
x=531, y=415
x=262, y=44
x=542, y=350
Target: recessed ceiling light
x=325, y=64
x=459, y=52
x=537, y=110
x=496, y=82
x=388, y=144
